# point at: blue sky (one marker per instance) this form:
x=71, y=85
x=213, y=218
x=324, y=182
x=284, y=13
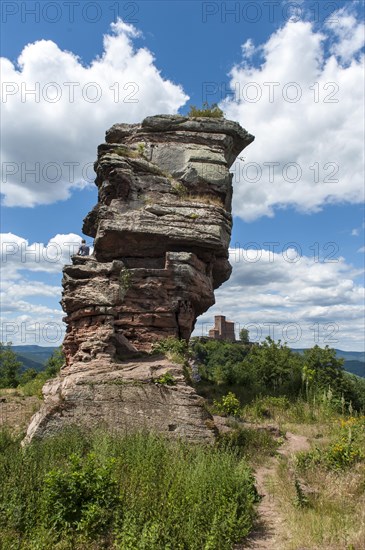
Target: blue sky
x=290, y=72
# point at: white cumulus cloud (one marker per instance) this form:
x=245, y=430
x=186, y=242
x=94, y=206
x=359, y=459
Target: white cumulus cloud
x=30, y=310
x=55, y=111
x=293, y=298
x=305, y=105
x=348, y=34
x=18, y=254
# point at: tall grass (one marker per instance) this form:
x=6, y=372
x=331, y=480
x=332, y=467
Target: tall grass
x=334, y=517
x=283, y=409
x=131, y=492
x=320, y=492
x=255, y=445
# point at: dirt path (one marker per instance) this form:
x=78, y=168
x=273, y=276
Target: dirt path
x=266, y=534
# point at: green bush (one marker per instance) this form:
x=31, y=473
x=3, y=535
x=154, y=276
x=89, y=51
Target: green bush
x=211, y=111
x=82, y=496
x=9, y=366
x=338, y=456
x=267, y=368
x=137, y=492
x=276, y=366
x=221, y=362
x=342, y=454
x=229, y=404
x=354, y=391
x=141, y=148
x=346, y=451
x=35, y=385
x=301, y=500
x=267, y=407
x=176, y=350
x=272, y=369
x=179, y=189
x=27, y=376
x=32, y=385
x=322, y=369
x=54, y=363
x=166, y=379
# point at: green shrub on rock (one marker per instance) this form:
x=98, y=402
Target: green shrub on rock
x=176, y=350
x=211, y=111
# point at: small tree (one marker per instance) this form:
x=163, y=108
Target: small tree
x=9, y=367
x=275, y=365
x=244, y=336
x=229, y=404
x=27, y=376
x=325, y=368
x=54, y=363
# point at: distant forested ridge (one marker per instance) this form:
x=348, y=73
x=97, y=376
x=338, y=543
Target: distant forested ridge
x=33, y=357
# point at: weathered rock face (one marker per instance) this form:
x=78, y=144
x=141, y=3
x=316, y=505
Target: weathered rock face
x=162, y=228
x=123, y=397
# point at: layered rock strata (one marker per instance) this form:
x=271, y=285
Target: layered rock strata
x=161, y=232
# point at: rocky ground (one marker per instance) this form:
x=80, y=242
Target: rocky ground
x=16, y=410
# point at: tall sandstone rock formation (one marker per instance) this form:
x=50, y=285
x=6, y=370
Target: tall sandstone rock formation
x=161, y=232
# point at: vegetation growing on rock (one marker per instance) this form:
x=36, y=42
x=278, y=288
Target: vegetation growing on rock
x=210, y=111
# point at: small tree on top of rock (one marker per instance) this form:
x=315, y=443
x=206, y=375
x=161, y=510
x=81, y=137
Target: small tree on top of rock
x=211, y=111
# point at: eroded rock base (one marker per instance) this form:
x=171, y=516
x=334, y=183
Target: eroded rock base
x=124, y=397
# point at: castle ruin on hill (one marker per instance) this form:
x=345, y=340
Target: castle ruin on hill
x=223, y=330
